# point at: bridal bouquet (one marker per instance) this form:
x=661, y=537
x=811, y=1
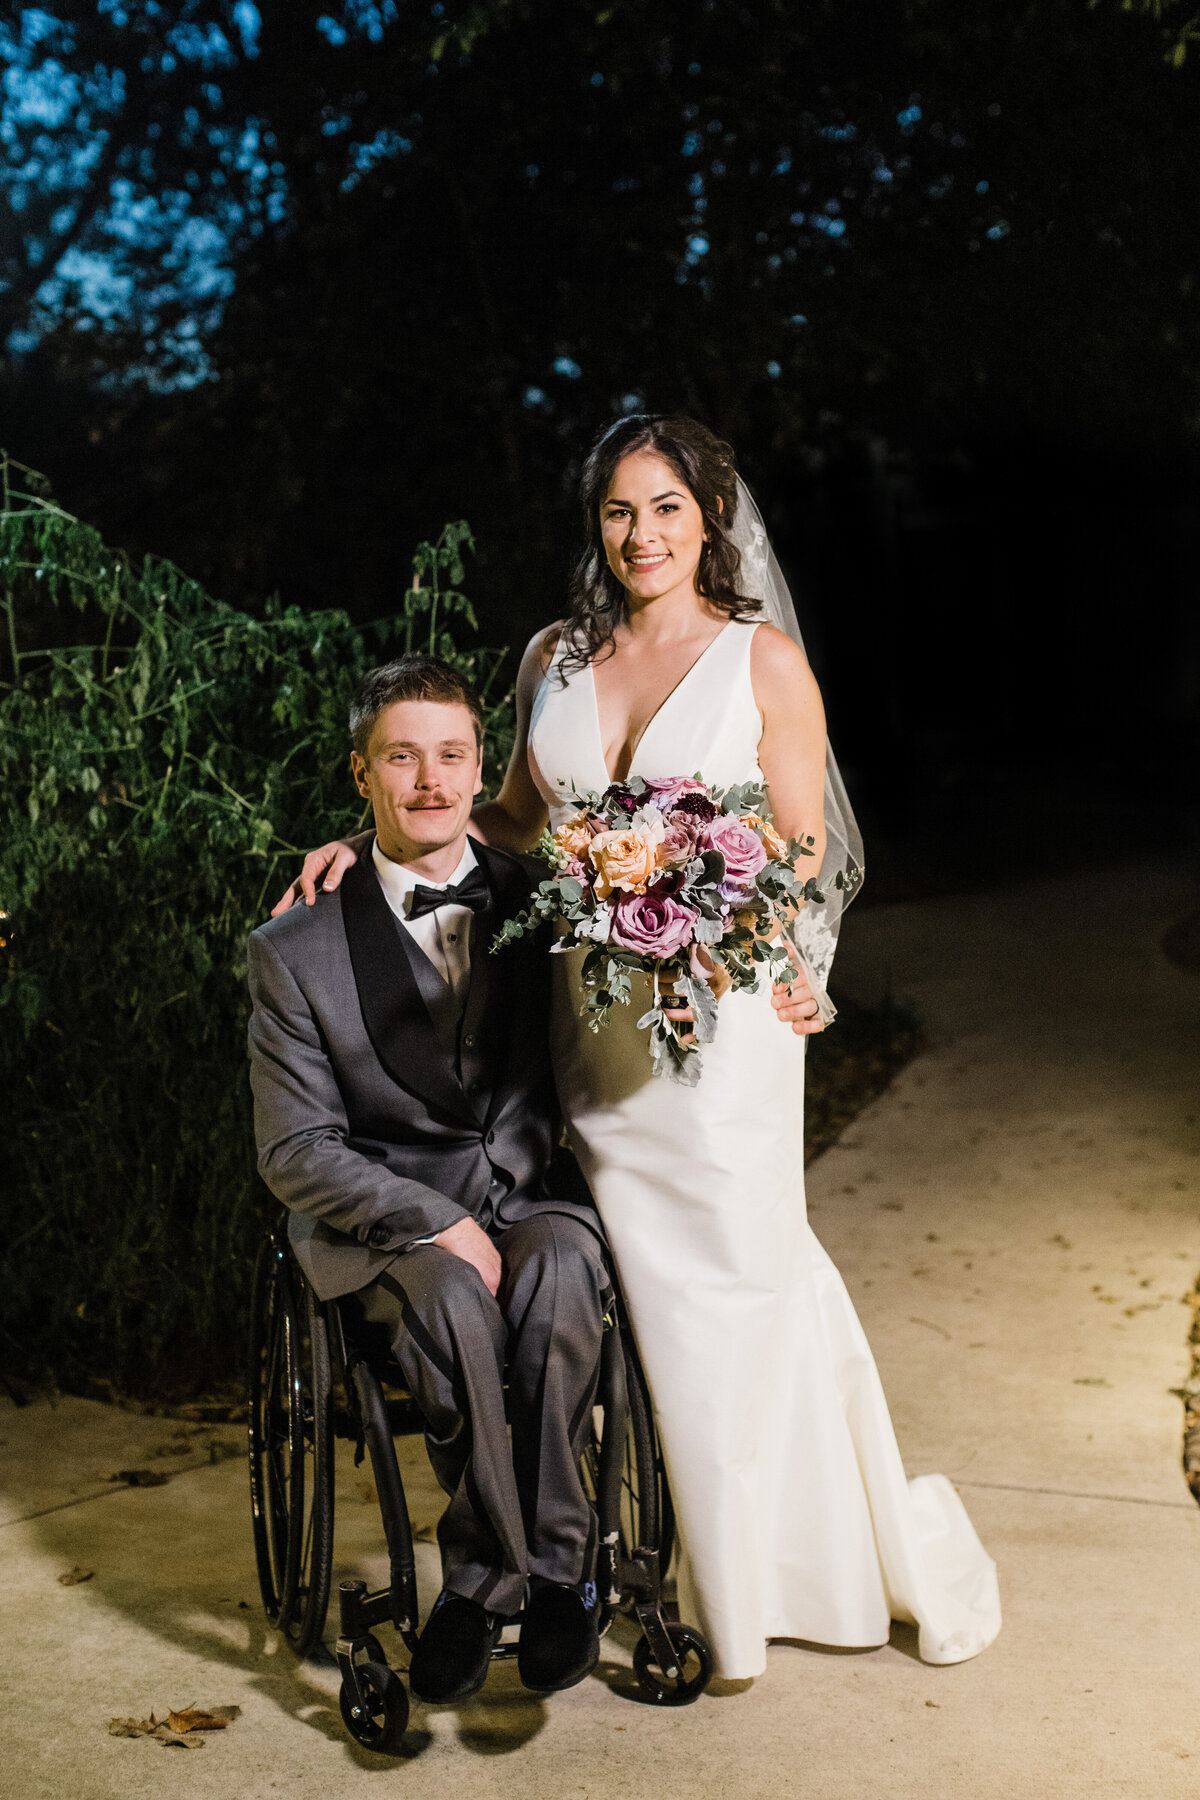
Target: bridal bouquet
x=651, y=877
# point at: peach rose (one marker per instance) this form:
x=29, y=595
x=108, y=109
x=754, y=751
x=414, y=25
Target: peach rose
x=773, y=844
x=574, y=836
x=622, y=859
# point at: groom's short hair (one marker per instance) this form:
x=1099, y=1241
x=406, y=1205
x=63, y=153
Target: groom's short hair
x=410, y=678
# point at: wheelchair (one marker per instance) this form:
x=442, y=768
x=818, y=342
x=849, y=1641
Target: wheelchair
x=310, y=1383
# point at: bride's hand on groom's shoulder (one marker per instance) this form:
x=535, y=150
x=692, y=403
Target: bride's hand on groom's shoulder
x=331, y=862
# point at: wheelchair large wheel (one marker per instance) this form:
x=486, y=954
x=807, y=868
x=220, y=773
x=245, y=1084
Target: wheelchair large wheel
x=647, y=1516
x=646, y=1519
x=291, y=1448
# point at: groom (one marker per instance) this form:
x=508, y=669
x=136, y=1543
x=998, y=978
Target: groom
x=405, y=1112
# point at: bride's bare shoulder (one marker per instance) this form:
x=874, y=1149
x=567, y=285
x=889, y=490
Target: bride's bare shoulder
x=538, y=655
x=779, y=669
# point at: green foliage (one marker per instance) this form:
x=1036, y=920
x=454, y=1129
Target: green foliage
x=160, y=777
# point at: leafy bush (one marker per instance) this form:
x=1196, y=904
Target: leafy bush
x=161, y=774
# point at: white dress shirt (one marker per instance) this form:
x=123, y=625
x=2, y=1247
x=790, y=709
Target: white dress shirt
x=443, y=934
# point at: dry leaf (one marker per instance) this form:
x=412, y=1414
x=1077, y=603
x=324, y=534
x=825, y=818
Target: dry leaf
x=425, y=1534
x=195, y=1718
x=140, y=1478
x=179, y=1729
x=73, y=1577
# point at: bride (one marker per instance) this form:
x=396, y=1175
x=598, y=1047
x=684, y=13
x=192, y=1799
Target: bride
x=681, y=655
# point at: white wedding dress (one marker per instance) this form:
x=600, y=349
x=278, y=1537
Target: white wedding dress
x=795, y=1517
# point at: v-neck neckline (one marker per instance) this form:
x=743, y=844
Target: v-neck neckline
x=666, y=700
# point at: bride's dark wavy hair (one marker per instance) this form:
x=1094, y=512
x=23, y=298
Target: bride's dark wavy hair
x=705, y=466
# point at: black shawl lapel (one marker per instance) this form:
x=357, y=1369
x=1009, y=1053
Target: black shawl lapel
x=398, y=1024
x=510, y=893
x=516, y=974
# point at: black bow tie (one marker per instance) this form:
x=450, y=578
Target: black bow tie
x=472, y=891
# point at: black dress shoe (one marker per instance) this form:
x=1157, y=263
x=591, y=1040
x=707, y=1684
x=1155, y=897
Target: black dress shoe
x=560, y=1635
x=452, y=1655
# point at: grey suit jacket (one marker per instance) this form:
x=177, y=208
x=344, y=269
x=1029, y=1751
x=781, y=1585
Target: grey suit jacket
x=380, y=1116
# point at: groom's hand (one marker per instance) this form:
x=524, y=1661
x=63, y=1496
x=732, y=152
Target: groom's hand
x=472, y=1244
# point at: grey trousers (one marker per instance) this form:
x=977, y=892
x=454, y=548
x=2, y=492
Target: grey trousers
x=516, y=1509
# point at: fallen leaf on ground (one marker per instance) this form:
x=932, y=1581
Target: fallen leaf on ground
x=180, y=1728
x=73, y=1577
x=153, y=1728
x=196, y=1718
x=425, y=1534
x=140, y=1478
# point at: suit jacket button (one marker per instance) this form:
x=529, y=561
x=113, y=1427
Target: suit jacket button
x=491, y=1137
x=469, y=1040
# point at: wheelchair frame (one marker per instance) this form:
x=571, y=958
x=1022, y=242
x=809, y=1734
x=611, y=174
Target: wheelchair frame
x=310, y=1384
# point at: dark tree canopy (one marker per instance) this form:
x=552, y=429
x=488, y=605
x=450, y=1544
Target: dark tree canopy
x=287, y=284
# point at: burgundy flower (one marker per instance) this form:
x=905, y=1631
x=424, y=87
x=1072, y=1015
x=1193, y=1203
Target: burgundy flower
x=665, y=793
x=621, y=797
x=699, y=805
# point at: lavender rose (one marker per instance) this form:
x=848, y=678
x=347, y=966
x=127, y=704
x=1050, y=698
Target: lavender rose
x=652, y=924
x=742, y=849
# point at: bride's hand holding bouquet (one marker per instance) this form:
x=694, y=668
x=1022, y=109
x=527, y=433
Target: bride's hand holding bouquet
x=686, y=884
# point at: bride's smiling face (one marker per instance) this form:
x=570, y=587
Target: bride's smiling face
x=652, y=527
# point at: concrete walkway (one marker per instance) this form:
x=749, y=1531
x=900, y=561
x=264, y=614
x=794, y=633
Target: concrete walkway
x=1017, y=1222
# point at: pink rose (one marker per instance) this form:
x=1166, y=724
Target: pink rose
x=666, y=792
x=652, y=924
x=742, y=849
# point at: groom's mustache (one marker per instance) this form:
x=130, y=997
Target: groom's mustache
x=436, y=801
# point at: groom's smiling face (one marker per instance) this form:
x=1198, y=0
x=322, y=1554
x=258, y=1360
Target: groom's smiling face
x=421, y=773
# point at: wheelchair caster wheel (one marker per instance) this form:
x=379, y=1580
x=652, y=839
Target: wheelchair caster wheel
x=695, y=1668
x=374, y=1649
x=380, y=1723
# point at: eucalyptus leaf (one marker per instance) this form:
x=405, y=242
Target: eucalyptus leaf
x=703, y=1003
